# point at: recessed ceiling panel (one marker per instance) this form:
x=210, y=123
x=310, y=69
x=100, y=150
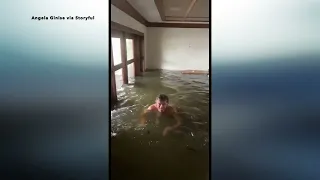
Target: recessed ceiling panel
x=200, y=9
x=176, y=8
x=172, y=10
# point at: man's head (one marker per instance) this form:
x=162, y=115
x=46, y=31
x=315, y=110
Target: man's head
x=162, y=102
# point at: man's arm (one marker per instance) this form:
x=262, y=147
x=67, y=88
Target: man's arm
x=143, y=118
x=178, y=119
x=171, y=128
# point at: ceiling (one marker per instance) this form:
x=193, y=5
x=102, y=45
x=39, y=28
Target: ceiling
x=186, y=11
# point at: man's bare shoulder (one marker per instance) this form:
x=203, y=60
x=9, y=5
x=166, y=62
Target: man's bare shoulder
x=171, y=110
x=151, y=108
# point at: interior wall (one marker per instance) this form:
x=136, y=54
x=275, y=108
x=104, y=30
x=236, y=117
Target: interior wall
x=178, y=48
x=121, y=17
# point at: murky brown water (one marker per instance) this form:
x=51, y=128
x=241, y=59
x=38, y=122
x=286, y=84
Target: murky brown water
x=144, y=153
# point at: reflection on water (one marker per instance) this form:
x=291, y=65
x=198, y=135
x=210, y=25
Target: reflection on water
x=143, y=152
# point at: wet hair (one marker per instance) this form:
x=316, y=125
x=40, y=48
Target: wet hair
x=163, y=97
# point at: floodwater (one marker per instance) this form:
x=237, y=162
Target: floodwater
x=143, y=152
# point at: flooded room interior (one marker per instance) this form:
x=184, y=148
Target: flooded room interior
x=159, y=49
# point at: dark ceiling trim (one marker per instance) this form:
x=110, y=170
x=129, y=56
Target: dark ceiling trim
x=179, y=25
x=187, y=17
x=126, y=7
x=160, y=7
x=195, y=21
x=120, y=27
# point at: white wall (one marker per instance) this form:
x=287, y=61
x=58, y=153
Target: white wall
x=178, y=48
x=121, y=17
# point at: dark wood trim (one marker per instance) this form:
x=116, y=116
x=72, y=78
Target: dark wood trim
x=188, y=20
x=179, y=25
x=188, y=17
x=124, y=59
x=116, y=33
x=137, y=59
x=119, y=27
x=116, y=67
x=160, y=7
x=119, y=66
x=152, y=70
x=142, y=61
x=113, y=93
x=130, y=36
x=130, y=61
x=126, y=7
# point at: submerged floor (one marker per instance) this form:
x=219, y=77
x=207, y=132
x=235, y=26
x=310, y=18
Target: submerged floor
x=143, y=153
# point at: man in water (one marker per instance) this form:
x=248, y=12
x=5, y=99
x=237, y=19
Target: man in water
x=162, y=107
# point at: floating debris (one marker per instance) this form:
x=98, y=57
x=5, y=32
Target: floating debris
x=191, y=149
x=113, y=134
x=201, y=123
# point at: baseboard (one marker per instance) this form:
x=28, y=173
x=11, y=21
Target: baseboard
x=193, y=70
x=150, y=70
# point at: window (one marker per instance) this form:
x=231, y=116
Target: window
x=131, y=72
x=118, y=77
x=125, y=72
x=129, y=45
x=116, y=50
